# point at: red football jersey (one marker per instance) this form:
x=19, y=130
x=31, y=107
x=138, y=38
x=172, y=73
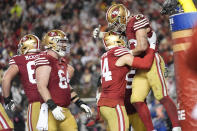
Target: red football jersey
x=135, y=23
x=26, y=66
x=58, y=85
x=113, y=78
x=129, y=107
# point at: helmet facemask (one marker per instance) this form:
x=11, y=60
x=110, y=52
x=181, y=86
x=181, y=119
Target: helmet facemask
x=117, y=26
x=63, y=47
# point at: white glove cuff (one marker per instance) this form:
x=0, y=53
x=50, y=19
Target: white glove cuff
x=153, y=46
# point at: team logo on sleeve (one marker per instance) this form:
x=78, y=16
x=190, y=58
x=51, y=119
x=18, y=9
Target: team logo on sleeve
x=115, y=12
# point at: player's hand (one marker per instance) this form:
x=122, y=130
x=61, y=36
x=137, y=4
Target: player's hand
x=153, y=40
x=58, y=113
x=169, y=7
x=87, y=110
x=96, y=32
x=10, y=104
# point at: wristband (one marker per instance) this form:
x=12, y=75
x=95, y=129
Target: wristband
x=7, y=100
x=79, y=103
x=51, y=104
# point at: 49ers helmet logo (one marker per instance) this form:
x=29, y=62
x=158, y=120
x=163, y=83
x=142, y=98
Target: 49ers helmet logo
x=52, y=34
x=24, y=39
x=115, y=12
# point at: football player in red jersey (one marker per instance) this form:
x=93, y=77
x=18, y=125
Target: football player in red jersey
x=115, y=64
x=52, y=75
x=137, y=30
x=23, y=64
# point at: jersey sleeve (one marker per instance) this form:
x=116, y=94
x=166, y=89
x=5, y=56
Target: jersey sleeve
x=12, y=61
x=121, y=51
x=140, y=22
x=41, y=61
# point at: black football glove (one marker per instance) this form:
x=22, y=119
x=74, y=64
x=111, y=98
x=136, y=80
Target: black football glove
x=9, y=104
x=169, y=7
x=83, y=106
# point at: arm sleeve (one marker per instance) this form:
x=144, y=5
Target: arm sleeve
x=121, y=51
x=146, y=62
x=41, y=61
x=140, y=22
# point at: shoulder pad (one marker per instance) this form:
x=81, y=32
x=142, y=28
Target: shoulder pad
x=42, y=60
x=13, y=59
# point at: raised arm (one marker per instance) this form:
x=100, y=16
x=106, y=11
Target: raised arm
x=142, y=43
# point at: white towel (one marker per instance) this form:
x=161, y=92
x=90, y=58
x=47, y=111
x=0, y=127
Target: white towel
x=194, y=112
x=42, y=124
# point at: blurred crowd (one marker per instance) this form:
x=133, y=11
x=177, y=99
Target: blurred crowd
x=78, y=18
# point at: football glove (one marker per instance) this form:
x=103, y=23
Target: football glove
x=10, y=104
x=84, y=107
x=87, y=110
x=57, y=111
x=153, y=40
x=96, y=32
x=169, y=7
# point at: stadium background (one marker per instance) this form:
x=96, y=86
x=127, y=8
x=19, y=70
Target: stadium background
x=78, y=18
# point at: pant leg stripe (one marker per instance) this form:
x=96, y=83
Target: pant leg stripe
x=166, y=89
x=123, y=118
x=29, y=117
x=120, y=117
x=3, y=122
x=159, y=71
